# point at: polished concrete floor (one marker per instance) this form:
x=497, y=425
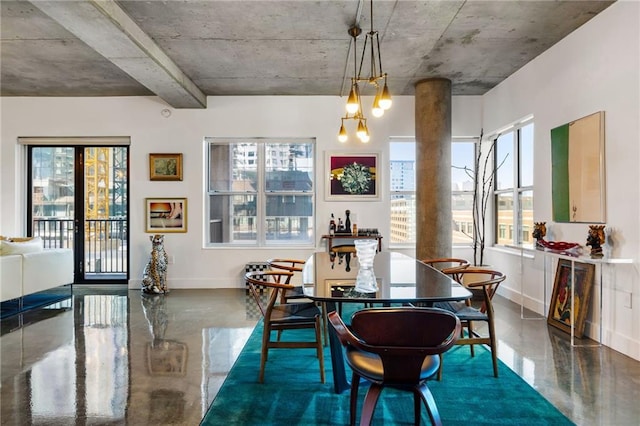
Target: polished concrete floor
x=115, y=357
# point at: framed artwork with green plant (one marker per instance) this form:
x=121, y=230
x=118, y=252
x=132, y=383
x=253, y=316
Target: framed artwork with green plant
x=352, y=176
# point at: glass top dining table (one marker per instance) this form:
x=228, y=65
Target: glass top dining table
x=399, y=278
x=333, y=279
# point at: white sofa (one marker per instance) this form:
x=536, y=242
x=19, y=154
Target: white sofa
x=24, y=272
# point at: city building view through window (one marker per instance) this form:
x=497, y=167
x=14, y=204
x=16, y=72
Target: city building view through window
x=514, y=186
x=403, y=191
x=260, y=191
x=91, y=206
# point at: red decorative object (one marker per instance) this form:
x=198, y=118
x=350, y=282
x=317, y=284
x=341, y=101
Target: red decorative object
x=557, y=245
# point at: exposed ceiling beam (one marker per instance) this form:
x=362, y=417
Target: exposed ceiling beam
x=105, y=27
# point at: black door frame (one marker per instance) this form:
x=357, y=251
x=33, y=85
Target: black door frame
x=79, y=218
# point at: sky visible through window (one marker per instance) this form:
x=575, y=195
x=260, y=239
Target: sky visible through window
x=462, y=154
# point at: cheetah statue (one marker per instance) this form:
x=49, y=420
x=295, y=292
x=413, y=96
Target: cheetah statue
x=154, y=280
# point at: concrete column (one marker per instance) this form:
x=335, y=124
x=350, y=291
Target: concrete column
x=433, y=168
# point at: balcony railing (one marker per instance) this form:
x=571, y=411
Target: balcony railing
x=56, y=233
x=105, y=243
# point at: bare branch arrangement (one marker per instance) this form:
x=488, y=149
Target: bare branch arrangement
x=483, y=175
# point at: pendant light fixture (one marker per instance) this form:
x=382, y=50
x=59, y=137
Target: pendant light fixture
x=382, y=99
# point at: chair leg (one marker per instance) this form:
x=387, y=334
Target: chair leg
x=417, y=405
x=264, y=352
x=430, y=403
x=470, y=331
x=494, y=348
x=369, y=405
x=319, y=348
x=353, y=399
x=325, y=323
x=440, y=368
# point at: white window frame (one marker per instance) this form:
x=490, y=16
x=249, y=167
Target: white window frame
x=392, y=192
x=516, y=191
x=261, y=193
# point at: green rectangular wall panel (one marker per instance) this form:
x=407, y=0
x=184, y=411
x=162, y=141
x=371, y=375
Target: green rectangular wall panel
x=560, y=173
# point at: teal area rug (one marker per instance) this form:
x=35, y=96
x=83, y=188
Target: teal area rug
x=293, y=395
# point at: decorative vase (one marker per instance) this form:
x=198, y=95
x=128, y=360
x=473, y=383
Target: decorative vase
x=366, y=279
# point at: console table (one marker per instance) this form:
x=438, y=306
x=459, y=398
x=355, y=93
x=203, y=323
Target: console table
x=347, y=239
x=599, y=262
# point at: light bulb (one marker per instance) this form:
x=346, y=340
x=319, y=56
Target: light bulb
x=365, y=138
x=342, y=135
x=377, y=110
x=352, y=101
x=385, y=98
x=362, y=130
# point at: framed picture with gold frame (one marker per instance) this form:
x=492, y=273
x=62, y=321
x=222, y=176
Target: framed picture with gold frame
x=165, y=215
x=561, y=303
x=165, y=166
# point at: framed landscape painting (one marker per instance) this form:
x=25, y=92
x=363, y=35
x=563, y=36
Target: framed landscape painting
x=561, y=303
x=166, y=215
x=353, y=177
x=165, y=166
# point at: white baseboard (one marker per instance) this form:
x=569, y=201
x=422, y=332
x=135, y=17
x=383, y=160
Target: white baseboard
x=195, y=283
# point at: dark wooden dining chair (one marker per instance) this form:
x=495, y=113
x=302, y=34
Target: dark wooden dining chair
x=395, y=347
x=283, y=316
x=488, y=281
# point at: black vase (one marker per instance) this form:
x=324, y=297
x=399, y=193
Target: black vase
x=347, y=222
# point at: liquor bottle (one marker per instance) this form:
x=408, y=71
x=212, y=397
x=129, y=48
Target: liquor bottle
x=340, y=226
x=332, y=225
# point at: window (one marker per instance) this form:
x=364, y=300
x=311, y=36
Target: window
x=514, y=185
x=260, y=192
x=403, y=190
x=463, y=152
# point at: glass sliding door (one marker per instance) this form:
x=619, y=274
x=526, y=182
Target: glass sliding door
x=78, y=198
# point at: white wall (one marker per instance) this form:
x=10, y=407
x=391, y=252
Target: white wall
x=184, y=131
x=596, y=68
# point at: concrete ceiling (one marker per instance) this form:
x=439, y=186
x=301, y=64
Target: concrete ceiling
x=183, y=51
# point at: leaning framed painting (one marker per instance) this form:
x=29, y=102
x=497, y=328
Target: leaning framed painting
x=166, y=215
x=165, y=166
x=352, y=176
x=561, y=303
